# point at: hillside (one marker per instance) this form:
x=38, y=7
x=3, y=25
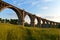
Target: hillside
x=15, y=32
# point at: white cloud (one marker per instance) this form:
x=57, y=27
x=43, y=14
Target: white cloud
x=54, y=11
x=53, y=18
x=45, y=8
x=48, y=0
x=35, y=3
x=23, y=2
x=14, y=2
x=39, y=15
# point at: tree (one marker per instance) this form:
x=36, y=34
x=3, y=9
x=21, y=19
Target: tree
x=13, y=21
x=6, y=20
x=2, y=20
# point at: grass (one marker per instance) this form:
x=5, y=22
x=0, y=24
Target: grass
x=16, y=32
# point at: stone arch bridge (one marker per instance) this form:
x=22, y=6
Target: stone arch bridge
x=21, y=15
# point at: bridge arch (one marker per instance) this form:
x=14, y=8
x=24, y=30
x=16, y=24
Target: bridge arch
x=10, y=12
x=17, y=11
x=31, y=17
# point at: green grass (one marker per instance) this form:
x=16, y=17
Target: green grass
x=16, y=32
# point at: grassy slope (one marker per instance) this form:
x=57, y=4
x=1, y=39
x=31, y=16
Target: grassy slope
x=14, y=32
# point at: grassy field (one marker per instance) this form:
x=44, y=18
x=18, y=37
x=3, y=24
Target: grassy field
x=15, y=32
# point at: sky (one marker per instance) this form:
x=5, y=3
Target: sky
x=49, y=9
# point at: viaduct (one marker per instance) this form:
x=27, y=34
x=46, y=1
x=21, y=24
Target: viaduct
x=22, y=13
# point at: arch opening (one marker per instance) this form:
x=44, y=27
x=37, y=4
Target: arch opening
x=36, y=22
x=9, y=14
x=27, y=20
x=41, y=22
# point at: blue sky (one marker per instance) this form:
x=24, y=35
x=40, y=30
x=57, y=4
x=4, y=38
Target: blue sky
x=49, y=9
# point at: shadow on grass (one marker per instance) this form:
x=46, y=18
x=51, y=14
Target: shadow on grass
x=29, y=35
x=11, y=35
